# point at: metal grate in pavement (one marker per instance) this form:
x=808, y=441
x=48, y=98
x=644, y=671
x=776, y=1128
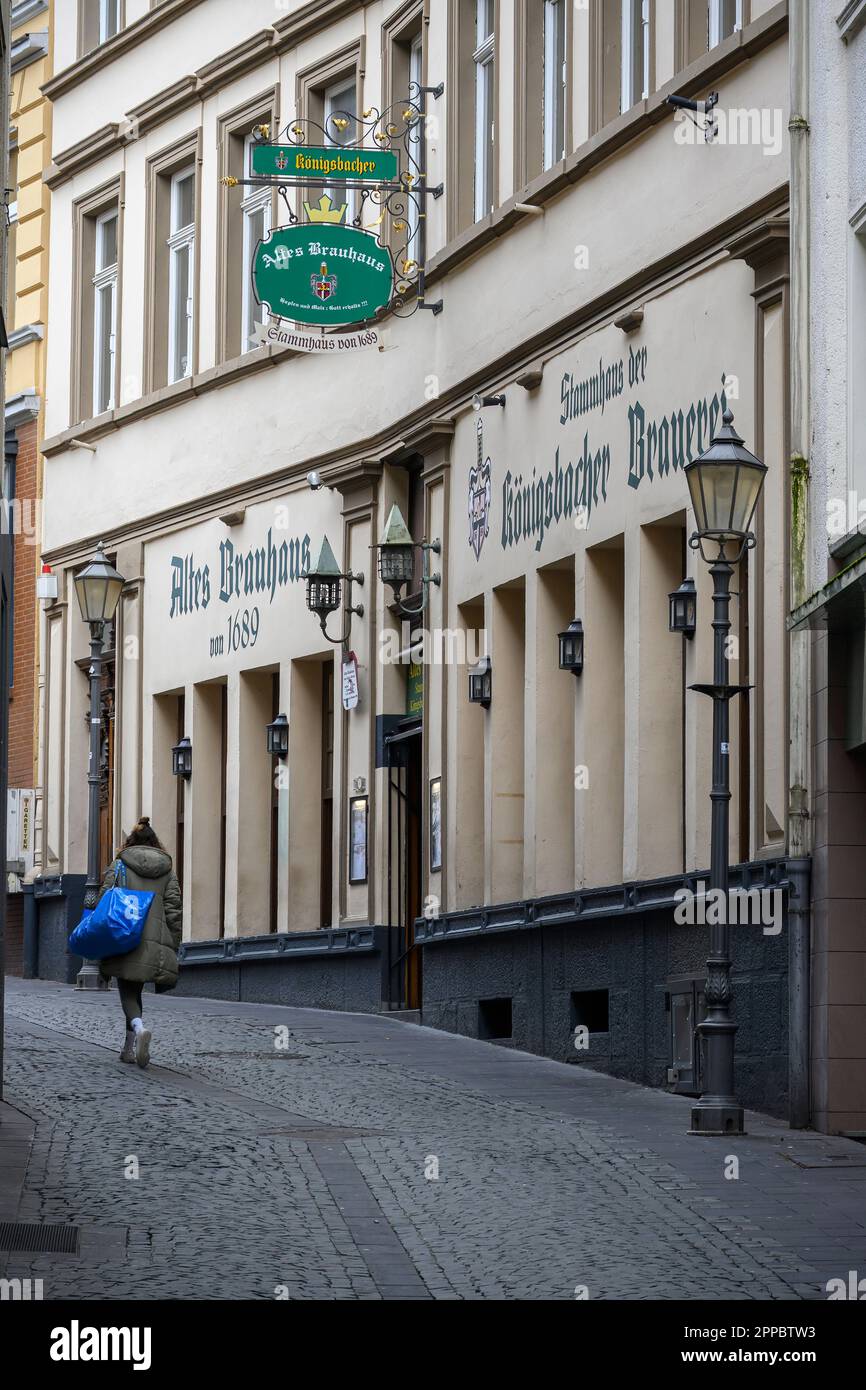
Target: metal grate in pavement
x=831, y=1163
x=52, y=1240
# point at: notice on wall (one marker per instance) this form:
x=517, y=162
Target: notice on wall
x=351, y=691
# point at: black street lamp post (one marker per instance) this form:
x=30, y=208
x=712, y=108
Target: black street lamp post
x=724, y=483
x=98, y=588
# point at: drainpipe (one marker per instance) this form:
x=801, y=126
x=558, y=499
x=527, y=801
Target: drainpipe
x=799, y=739
x=799, y=875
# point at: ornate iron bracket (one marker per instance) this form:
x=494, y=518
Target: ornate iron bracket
x=402, y=129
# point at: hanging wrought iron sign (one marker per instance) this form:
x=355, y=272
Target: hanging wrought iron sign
x=360, y=252
x=323, y=275
x=305, y=162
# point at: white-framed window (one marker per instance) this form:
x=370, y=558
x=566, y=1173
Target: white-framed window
x=256, y=210
x=181, y=252
x=340, y=104
x=109, y=19
x=725, y=18
x=485, y=115
x=635, y=52
x=104, y=310
x=555, y=78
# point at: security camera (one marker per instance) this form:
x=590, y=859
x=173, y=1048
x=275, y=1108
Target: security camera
x=314, y=479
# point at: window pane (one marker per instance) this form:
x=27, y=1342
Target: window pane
x=109, y=19
x=184, y=202
x=106, y=249
x=554, y=81
x=257, y=223
x=416, y=77
x=725, y=17
x=104, y=365
x=635, y=52
x=483, y=21
x=484, y=139
x=416, y=53
x=180, y=312
x=340, y=102
x=728, y=18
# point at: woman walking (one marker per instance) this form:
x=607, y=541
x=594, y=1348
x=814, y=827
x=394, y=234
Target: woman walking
x=148, y=868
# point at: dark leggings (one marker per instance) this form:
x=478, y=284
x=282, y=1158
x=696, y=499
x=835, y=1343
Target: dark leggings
x=130, y=1000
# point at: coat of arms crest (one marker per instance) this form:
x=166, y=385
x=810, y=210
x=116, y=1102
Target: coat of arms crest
x=479, y=497
x=323, y=285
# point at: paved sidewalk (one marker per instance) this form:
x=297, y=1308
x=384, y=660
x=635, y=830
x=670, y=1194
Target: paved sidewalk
x=367, y=1158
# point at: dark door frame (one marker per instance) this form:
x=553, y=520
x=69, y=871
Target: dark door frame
x=405, y=876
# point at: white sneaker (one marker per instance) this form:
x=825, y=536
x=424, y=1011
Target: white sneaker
x=128, y=1053
x=142, y=1046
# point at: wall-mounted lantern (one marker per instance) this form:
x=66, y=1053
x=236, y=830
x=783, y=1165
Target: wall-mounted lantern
x=571, y=648
x=181, y=758
x=325, y=590
x=683, y=604
x=278, y=737
x=481, y=683
x=397, y=561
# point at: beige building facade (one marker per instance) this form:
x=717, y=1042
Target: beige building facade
x=606, y=282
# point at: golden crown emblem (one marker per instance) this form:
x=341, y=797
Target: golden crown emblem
x=325, y=211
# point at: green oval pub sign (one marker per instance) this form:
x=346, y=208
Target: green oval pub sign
x=320, y=274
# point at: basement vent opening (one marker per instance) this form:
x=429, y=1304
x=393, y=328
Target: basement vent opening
x=494, y=1018
x=50, y=1240
x=589, y=1009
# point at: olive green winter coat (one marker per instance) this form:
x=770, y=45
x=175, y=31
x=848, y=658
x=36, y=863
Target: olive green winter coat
x=155, y=957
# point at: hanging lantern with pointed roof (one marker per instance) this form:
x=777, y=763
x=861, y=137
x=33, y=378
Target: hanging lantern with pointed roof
x=396, y=553
x=324, y=583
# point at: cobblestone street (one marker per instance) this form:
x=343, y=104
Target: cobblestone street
x=368, y=1158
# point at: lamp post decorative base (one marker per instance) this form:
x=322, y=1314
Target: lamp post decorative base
x=89, y=977
x=717, y=1115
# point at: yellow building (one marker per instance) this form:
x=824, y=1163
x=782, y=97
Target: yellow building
x=25, y=314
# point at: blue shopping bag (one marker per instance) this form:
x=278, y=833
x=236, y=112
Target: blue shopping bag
x=115, y=925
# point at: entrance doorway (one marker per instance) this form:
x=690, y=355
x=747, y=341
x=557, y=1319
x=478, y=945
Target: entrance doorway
x=405, y=859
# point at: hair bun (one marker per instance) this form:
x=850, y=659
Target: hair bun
x=145, y=820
